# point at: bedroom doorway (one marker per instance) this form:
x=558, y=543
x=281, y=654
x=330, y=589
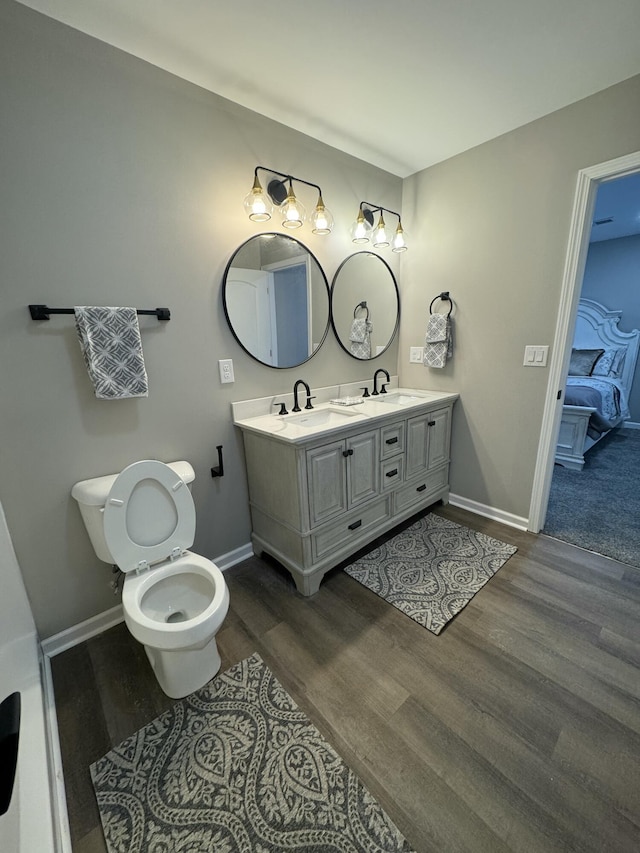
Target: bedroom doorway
x=588, y=183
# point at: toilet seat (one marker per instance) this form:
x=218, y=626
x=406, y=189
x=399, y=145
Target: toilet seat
x=149, y=516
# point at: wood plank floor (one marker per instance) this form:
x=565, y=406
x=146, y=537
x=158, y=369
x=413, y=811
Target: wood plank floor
x=516, y=729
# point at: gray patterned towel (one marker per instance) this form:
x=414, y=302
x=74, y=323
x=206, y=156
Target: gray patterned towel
x=360, y=337
x=112, y=349
x=438, y=347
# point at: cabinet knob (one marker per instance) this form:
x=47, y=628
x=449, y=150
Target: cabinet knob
x=421, y=488
x=355, y=524
x=348, y=452
x=431, y=423
x=392, y=440
x=391, y=473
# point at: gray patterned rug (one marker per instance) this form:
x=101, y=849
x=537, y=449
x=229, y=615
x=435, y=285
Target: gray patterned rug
x=236, y=768
x=432, y=569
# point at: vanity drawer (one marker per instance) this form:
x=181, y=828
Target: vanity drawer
x=392, y=440
x=416, y=492
x=391, y=473
x=349, y=527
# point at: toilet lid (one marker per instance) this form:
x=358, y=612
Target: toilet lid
x=148, y=515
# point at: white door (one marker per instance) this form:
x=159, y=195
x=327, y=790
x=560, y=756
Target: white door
x=248, y=300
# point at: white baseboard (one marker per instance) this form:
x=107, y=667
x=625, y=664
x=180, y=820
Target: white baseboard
x=630, y=425
x=61, y=829
x=225, y=561
x=490, y=512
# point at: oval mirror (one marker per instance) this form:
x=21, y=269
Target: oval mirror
x=365, y=305
x=276, y=300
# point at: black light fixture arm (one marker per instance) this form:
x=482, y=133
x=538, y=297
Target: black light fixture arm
x=375, y=208
x=289, y=178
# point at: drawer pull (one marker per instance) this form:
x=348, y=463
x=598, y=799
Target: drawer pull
x=421, y=488
x=431, y=423
x=391, y=473
x=392, y=440
x=348, y=452
x=355, y=524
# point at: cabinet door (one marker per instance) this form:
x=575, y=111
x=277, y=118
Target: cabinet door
x=327, y=482
x=427, y=442
x=363, y=466
x=417, y=445
x=439, y=436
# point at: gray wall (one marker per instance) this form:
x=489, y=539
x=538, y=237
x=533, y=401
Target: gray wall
x=123, y=185
x=491, y=226
x=612, y=277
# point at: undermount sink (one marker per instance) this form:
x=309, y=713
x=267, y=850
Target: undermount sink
x=398, y=399
x=320, y=417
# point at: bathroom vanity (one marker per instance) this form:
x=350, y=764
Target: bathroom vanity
x=324, y=482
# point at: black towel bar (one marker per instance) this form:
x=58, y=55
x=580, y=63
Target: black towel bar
x=41, y=312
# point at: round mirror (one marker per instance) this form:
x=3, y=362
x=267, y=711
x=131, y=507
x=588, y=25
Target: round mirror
x=365, y=305
x=276, y=300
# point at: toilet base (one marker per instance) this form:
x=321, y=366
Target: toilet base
x=184, y=671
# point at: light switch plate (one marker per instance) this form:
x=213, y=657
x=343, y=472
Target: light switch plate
x=536, y=356
x=416, y=355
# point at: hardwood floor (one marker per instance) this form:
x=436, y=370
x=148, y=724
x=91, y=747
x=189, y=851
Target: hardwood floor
x=516, y=729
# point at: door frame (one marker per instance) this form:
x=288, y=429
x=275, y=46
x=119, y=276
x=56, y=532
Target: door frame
x=583, y=206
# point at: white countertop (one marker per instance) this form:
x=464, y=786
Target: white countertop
x=328, y=417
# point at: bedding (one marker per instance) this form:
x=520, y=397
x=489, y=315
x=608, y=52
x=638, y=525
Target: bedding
x=604, y=394
x=583, y=361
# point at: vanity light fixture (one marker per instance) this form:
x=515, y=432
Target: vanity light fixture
x=362, y=229
x=259, y=204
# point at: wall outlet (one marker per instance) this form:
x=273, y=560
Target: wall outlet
x=416, y=355
x=226, y=370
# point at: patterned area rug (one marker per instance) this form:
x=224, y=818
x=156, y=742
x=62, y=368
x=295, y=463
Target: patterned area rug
x=432, y=569
x=236, y=768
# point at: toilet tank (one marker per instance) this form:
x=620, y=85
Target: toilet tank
x=92, y=496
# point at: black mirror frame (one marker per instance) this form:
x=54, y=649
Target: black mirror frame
x=333, y=325
x=226, y=312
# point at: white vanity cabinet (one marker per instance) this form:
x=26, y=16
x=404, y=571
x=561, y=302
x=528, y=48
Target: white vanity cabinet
x=316, y=500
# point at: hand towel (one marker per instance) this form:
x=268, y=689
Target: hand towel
x=112, y=349
x=360, y=337
x=438, y=347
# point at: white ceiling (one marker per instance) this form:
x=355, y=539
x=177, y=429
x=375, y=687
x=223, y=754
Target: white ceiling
x=402, y=84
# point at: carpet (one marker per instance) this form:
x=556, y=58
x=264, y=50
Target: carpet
x=236, y=767
x=432, y=569
x=598, y=508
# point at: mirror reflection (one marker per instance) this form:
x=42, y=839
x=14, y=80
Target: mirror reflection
x=276, y=300
x=365, y=305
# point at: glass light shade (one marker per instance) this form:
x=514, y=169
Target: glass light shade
x=360, y=230
x=321, y=218
x=293, y=212
x=380, y=239
x=399, y=244
x=257, y=203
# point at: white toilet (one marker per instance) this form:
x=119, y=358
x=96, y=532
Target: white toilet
x=174, y=601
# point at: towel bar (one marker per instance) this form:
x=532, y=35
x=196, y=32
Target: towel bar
x=41, y=312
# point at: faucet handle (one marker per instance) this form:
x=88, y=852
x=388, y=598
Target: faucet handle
x=366, y=391
x=383, y=390
x=309, y=399
x=283, y=408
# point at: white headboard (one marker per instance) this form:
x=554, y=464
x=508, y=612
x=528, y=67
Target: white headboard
x=597, y=328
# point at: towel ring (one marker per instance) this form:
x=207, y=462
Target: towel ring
x=358, y=306
x=446, y=298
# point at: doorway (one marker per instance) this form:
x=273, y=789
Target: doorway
x=584, y=203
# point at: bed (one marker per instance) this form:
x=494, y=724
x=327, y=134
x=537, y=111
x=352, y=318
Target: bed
x=603, y=363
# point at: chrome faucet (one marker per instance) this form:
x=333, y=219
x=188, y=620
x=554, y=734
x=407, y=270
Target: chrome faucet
x=296, y=407
x=383, y=390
